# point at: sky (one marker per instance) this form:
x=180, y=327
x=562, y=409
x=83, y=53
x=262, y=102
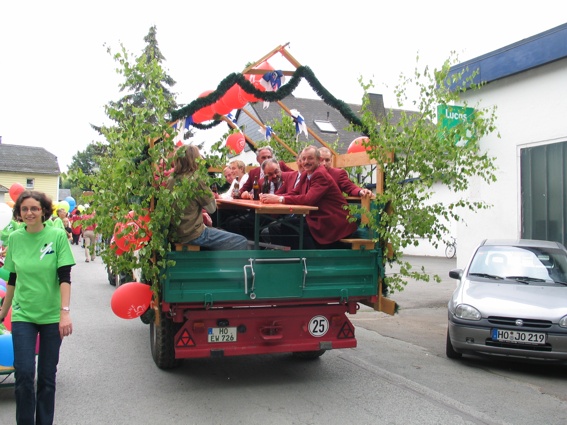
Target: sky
x=56, y=74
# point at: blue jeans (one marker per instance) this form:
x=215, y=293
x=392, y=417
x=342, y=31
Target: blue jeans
x=24, y=336
x=217, y=239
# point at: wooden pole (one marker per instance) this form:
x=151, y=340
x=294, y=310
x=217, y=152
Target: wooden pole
x=280, y=141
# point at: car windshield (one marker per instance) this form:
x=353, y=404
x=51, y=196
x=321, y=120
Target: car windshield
x=521, y=264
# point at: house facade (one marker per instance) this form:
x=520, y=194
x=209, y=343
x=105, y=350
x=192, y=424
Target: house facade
x=527, y=81
x=32, y=167
x=325, y=125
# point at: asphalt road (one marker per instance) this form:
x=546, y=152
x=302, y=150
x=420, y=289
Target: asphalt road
x=398, y=374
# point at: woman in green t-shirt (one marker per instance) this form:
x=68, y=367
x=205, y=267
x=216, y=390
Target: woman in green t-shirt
x=39, y=260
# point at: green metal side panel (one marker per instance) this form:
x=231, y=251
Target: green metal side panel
x=216, y=276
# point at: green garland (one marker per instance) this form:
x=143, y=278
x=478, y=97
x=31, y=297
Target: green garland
x=269, y=96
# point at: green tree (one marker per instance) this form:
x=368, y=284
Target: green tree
x=130, y=182
x=423, y=159
x=135, y=88
x=87, y=161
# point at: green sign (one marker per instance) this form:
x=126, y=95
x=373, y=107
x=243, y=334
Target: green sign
x=455, y=119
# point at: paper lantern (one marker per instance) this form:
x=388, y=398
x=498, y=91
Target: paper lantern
x=255, y=80
x=131, y=300
x=231, y=100
x=204, y=114
x=15, y=191
x=236, y=142
x=357, y=145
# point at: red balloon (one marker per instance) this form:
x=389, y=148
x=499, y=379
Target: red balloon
x=357, y=146
x=131, y=300
x=114, y=247
x=128, y=236
x=236, y=142
x=204, y=114
x=15, y=191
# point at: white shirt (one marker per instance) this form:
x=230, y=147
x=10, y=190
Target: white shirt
x=228, y=193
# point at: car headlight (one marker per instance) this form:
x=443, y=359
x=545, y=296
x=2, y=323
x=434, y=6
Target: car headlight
x=563, y=322
x=467, y=312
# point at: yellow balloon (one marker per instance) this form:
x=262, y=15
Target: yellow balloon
x=65, y=205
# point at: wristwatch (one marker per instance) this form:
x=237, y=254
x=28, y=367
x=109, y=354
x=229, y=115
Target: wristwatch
x=281, y=199
x=65, y=309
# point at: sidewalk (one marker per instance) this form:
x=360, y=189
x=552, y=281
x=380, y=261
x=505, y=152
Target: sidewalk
x=422, y=314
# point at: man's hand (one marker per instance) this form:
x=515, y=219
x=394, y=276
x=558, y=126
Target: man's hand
x=268, y=198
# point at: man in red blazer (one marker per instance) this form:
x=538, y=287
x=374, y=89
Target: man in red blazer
x=265, y=152
x=330, y=222
x=341, y=176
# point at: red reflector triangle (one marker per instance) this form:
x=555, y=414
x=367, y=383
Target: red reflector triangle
x=347, y=331
x=185, y=340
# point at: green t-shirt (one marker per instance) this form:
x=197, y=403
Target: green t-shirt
x=35, y=257
x=57, y=222
x=5, y=233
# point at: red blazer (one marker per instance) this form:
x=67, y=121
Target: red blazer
x=255, y=173
x=286, y=178
x=289, y=178
x=330, y=222
x=345, y=184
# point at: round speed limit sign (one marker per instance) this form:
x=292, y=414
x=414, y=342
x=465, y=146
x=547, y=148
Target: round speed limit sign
x=318, y=326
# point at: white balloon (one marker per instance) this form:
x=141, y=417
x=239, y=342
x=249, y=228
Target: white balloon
x=5, y=215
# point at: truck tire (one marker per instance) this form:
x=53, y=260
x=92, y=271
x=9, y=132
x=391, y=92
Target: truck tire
x=162, y=344
x=450, y=351
x=308, y=355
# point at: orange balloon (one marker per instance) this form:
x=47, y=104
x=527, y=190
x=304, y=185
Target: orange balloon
x=357, y=145
x=10, y=203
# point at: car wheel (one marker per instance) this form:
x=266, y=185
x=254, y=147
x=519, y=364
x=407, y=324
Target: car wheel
x=449, y=350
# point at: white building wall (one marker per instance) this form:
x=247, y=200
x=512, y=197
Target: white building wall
x=532, y=111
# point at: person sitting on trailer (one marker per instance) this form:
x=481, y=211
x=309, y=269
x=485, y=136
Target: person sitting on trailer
x=188, y=226
x=263, y=153
x=341, y=176
x=330, y=223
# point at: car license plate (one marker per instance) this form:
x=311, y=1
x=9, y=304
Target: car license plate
x=222, y=335
x=518, y=337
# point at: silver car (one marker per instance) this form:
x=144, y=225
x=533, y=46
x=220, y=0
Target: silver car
x=511, y=300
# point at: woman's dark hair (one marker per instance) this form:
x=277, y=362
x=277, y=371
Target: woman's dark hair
x=42, y=198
